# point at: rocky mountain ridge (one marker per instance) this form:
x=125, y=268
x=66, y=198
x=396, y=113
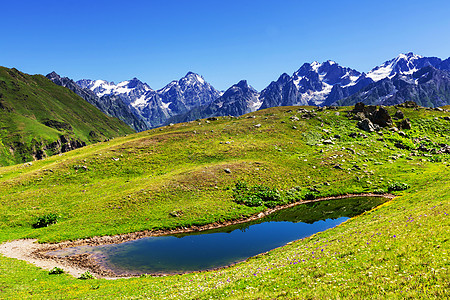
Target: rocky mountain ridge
x=111, y=105
x=154, y=107
x=406, y=77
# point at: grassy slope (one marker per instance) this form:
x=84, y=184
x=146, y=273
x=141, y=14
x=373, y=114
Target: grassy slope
x=26, y=102
x=398, y=250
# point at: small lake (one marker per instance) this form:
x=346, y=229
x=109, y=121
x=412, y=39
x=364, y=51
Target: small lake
x=227, y=245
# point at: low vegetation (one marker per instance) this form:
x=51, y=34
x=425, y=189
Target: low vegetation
x=39, y=119
x=211, y=171
x=45, y=220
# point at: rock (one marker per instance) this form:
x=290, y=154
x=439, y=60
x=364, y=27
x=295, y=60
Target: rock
x=294, y=118
x=366, y=125
x=445, y=149
x=314, y=190
x=399, y=114
x=409, y=104
x=328, y=142
x=382, y=117
x=294, y=127
x=338, y=167
x=351, y=150
x=226, y=170
x=405, y=124
x=257, y=125
x=401, y=133
x=337, y=136
x=359, y=107
x=399, y=145
x=359, y=116
x=337, y=113
x=353, y=135
x=176, y=213
x=212, y=119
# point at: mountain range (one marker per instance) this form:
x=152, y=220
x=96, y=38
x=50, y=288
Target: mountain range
x=156, y=106
x=424, y=80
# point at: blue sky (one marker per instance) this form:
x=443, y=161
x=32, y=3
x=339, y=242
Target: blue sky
x=225, y=41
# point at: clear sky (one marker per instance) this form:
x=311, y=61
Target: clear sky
x=224, y=41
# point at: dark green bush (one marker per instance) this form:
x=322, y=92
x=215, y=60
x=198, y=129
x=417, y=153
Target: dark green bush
x=44, y=221
x=398, y=186
x=86, y=275
x=256, y=195
x=310, y=196
x=56, y=271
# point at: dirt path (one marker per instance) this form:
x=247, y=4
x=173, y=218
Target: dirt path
x=31, y=251
x=26, y=249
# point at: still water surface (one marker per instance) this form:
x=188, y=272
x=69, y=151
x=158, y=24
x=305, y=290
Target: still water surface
x=227, y=245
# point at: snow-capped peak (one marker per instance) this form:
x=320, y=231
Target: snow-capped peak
x=315, y=65
x=404, y=64
x=194, y=77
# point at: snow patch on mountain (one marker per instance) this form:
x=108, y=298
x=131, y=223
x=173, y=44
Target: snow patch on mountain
x=402, y=64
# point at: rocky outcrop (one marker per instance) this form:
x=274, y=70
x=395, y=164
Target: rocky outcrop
x=371, y=118
x=37, y=149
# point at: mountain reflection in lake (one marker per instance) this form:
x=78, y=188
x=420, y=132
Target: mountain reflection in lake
x=224, y=246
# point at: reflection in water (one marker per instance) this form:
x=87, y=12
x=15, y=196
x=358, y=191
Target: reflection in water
x=224, y=246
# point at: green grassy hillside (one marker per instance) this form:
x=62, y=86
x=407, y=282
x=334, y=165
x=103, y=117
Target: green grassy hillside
x=39, y=118
x=134, y=183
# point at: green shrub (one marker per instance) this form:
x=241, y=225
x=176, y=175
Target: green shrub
x=256, y=195
x=56, y=271
x=44, y=221
x=310, y=196
x=403, y=143
x=86, y=275
x=398, y=186
x=436, y=158
x=379, y=191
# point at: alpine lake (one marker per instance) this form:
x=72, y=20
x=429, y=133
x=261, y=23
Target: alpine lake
x=220, y=247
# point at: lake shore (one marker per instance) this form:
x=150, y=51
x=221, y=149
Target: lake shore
x=31, y=251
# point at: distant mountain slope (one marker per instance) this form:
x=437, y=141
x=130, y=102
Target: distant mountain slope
x=237, y=100
x=111, y=105
x=155, y=107
x=429, y=87
x=39, y=118
x=313, y=84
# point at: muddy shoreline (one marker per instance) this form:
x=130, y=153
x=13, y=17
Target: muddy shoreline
x=31, y=251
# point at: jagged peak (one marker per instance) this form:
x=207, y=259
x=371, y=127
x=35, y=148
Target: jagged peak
x=242, y=84
x=408, y=56
x=53, y=74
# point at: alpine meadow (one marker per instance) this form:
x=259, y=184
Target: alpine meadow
x=225, y=150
